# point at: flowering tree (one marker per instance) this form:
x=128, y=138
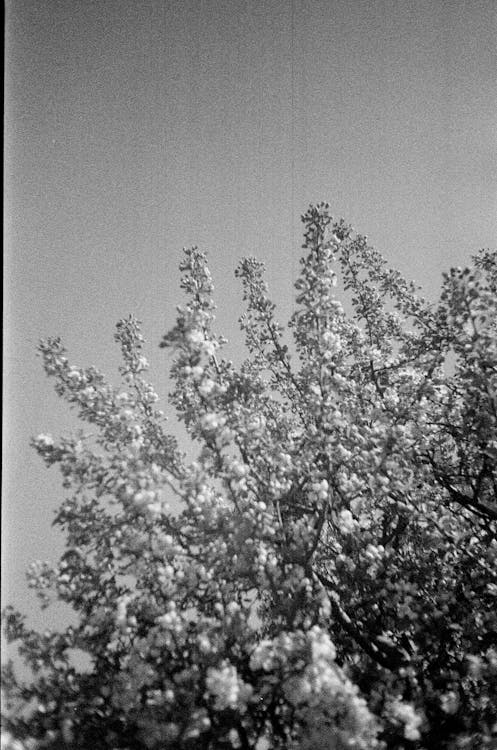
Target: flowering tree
x=324, y=574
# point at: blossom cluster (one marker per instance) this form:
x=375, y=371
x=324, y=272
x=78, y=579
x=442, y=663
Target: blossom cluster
x=322, y=575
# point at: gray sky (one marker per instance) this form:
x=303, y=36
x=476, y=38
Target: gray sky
x=137, y=127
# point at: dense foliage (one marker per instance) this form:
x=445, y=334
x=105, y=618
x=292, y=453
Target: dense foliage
x=324, y=574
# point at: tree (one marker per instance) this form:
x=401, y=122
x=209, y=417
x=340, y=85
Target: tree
x=324, y=574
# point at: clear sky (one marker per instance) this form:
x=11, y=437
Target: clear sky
x=136, y=127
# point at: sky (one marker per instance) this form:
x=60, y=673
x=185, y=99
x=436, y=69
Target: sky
x=135, y=128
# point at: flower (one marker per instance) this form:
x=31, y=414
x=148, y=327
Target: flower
x=225, y=686
x=206, y=387
x=212, y=421
x=346, y=521
x=44, y=441
x=405, y=714
x=449, y=702
x=196, y=337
